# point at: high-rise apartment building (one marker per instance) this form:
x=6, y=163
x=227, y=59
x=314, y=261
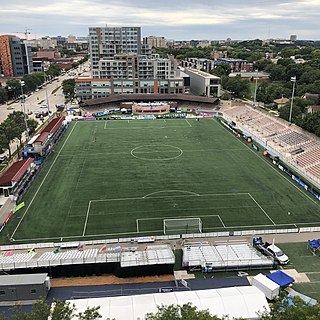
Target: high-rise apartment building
x=15, y=57
x=156, y=42
x=121, y=64
x=106, y=42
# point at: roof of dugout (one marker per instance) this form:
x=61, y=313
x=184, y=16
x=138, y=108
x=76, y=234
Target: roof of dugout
x=148, y=97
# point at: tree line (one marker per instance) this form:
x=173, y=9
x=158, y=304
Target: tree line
x=12, y=90
x=41, y=310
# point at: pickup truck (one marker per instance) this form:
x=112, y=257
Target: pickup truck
x=270, y=249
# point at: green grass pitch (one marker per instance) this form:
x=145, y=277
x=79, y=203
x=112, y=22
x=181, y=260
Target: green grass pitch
x=109, y=179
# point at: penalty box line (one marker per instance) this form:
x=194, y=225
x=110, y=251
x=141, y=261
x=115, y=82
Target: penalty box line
x=264, y=211
x=150, y=197
x=179, y=217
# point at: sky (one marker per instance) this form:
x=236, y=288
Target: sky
x=172, y=19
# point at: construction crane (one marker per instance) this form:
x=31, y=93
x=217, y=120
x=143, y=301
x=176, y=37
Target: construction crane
x=25, y=32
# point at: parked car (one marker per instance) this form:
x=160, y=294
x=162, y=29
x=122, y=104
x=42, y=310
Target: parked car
x=3, y=158
x=270, y=249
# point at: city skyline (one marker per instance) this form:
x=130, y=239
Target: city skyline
x=179, y=20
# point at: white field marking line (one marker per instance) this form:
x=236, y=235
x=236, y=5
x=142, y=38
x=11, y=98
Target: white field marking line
x=150, y=146
x=105, y=124
x=151, y=231
x=178, y=217
x=264, y=211
x=259, y=225
x=146, y=127
x=142, y=198
x=120, y=153
x=188, y=123
x=164, y=210
x=173, y=196
x=158, y=151
x=125, y=233
x=257, y=155
x=94, y=154
x=42, y=182
x=86, y=221
x=221, y=221
x=171, y=190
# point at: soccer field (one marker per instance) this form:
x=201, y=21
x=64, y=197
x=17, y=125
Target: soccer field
x=109, y=179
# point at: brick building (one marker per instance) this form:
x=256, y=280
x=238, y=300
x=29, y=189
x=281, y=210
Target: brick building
x=15, y=57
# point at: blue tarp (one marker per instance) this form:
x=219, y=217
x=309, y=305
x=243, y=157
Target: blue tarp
x=280, y=278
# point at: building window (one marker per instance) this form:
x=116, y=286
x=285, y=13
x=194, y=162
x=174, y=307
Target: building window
x=33, y=291
x=2, y=293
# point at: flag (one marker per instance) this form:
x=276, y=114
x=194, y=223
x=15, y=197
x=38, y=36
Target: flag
x=19, y=206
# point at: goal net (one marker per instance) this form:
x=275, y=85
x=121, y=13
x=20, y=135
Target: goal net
x=182, y=226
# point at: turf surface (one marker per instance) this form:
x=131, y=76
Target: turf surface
x=110, y=179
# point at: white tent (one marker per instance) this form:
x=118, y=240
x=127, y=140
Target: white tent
x=267, y=286
x=240, y=302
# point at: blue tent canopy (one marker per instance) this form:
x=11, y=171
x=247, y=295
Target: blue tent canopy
x=280, y=278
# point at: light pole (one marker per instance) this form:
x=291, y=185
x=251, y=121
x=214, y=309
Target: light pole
x=23, y=109
x=293, y=80
x=255, y=91
x=47, y=100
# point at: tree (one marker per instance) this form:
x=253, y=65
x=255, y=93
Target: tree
x=3, y=95
x=285, y=111
x=16, y=120
x=277, y=72
x=54, y=70
x=40, y=311
x=238, y=87
x=68, y=88
x=30, y=83
x=300, y=311
x=7, y=135
x=3, y=142
x=63, y=311
x=32, y=125
x=185, y=312
x=311, y=123
x=90, y=314
x=13, y=88
x=221, y=70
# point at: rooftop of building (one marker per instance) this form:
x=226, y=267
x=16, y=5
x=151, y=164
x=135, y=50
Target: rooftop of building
x=148, y=97
x=202, y=73
x=53, y=125
x=16, y=171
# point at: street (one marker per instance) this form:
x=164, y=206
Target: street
x=37, y=99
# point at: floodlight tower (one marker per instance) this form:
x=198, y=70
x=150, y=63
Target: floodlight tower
x=293, y=80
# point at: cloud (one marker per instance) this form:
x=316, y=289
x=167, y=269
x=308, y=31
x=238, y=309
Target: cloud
x=172, y=19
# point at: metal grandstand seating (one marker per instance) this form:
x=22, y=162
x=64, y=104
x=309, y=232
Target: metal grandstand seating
x=6, y=261
x=315, y=170
x=308, y=158
x=224, y=256
x=293, y=138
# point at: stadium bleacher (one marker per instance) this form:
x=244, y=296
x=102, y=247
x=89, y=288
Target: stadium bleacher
x=300, y=149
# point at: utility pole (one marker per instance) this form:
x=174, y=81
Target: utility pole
x=293, y=80
x=23, y=109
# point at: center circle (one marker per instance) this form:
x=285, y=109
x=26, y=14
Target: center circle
x=156, y=152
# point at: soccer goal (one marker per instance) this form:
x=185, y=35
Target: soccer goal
x=182, y=226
